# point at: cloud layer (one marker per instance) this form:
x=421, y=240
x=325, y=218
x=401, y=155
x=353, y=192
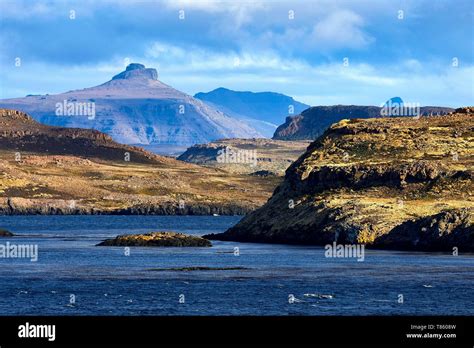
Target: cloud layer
x=323, y=52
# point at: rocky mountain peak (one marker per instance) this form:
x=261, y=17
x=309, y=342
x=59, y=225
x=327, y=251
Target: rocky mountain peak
x=135, y=66
x=136, y=108
x=137, y=70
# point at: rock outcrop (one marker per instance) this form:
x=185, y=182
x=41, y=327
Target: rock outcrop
x=400, y=183
x=157, y=239
x=5, y=233
x=136, y=70
x=443, y=231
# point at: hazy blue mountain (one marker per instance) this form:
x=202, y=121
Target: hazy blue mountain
x=134, y=107
x=312, y=122
x=263, y=111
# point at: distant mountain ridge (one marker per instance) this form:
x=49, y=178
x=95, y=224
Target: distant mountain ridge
x=312, y=122
x=262, y=110
x=134, y=107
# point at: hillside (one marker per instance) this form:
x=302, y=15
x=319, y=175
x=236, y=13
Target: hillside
x=312, y=122
x=399, y=183
x=53, y=170
x=273, y=157
x=20, y=133
x=263, y=111
x=134, y=107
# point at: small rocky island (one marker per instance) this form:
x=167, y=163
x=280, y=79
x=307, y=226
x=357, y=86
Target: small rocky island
x=157, y=239
x=5, y=233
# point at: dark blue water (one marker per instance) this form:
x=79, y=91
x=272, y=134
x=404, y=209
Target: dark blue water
x=105, y=281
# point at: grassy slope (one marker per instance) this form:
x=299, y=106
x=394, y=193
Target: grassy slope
x=47, y=169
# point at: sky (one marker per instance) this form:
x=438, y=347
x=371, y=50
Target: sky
x=319, y=52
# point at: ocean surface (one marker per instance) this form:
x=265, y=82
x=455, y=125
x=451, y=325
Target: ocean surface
x=72, y=276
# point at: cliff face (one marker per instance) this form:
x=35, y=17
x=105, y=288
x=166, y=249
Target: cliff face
x=399, y=183
x=312, y=122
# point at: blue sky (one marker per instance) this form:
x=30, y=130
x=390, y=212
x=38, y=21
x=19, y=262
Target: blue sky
x=393, y=48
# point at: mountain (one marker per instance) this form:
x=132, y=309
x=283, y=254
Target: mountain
x=251, y=156
x=134, y=107
x=396, y=183
x=312, y=122
x=56, y=170
x=263, y=110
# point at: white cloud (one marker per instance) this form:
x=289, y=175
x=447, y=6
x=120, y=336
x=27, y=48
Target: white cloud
x=341, y=29
x=323, y=84
x=189, y=59
x=24, y=9
x=194, y=70
x=213, y=5
x=205, y=5
x=238, y=13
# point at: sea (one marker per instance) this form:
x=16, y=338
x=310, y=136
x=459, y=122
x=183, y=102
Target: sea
x=73, y=276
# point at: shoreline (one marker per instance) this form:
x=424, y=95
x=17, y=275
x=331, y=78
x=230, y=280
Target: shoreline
x=159, y=210
x=212, y=237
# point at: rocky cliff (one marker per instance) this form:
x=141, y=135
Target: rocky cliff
x=400, y=183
